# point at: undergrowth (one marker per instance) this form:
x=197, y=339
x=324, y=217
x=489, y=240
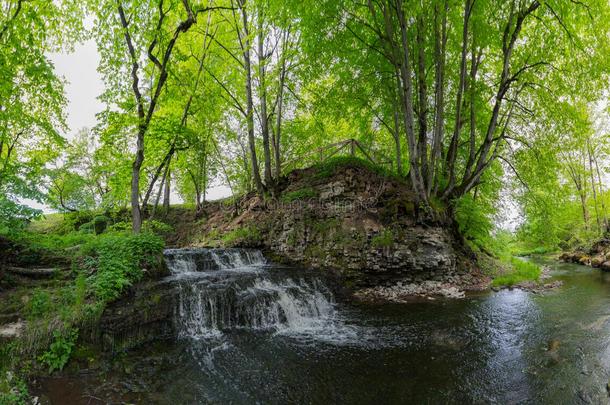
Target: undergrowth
x=98, y=267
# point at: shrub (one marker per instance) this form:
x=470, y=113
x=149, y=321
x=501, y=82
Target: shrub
x=100, y=223
x=120, y=226
x=87, y=227
x=474, y=222
x=59, y=353
x=13, y=390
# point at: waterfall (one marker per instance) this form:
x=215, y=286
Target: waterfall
x=217, y=295
x=182, y=261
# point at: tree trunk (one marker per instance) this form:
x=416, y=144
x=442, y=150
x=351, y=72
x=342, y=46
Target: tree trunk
x=396, y=134
x=136, y=214
x=453, y=145
x=422, y=141
x=263, y=102
x=166, y=192
x=245, y=41
x=440, y=42
x=407, y=102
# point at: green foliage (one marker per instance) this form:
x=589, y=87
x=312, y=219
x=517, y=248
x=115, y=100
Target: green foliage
x=118, y=260
x=157, y=227
x=539, y=250
x=100, y=223
x=302, y=194
x=39, y=304
x=13, y=390
x=474, y=221
x=521, y=271
x=384, y=239
x=59, y=353
x=121, y=226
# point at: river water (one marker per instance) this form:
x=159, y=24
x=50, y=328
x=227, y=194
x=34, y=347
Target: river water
x=251, y=332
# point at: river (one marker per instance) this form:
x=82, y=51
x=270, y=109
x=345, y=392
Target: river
x=251, y=332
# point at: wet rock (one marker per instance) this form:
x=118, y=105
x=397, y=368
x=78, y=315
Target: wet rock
x=597, y=261
x=403, y=293
x=605, y=265
x=32, y=272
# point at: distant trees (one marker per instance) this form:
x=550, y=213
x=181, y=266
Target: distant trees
x=31, y=95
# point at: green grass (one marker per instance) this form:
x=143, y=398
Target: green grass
x=521, y=271
x=540, y=250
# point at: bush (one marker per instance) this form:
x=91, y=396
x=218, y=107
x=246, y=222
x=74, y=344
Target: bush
x=474, y=222
x=121, y=226
x=59, y=353
x=100, y=223
x=521, y=271
x=87, y=227
x=13, y=390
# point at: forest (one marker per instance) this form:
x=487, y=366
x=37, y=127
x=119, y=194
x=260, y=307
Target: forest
x=484, y=124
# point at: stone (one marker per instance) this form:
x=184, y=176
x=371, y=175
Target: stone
x=597, y=261
x=11, y=330
x=605, y=265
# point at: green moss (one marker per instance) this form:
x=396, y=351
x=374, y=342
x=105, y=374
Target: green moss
x=384, y=239
x=521, y=271
x=325, y=226
x=302, y=194
x=248, y=235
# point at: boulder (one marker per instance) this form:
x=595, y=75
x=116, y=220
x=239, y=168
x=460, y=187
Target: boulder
x=605, y=265
x=584, y=259
x=597, y=261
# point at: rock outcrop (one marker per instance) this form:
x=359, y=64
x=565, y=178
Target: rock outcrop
x=353, y=221
x=597, y=256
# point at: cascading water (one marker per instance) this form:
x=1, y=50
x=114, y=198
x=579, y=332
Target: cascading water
x=227, y=289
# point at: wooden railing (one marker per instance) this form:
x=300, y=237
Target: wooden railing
x=349, y=147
